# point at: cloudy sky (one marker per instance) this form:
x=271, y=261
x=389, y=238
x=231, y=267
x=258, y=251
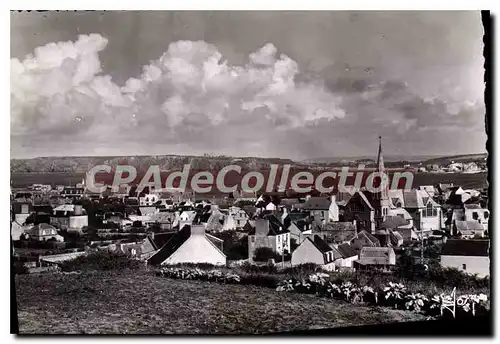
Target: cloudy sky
x=289, y=84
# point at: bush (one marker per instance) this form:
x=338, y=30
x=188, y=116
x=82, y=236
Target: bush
x=102, y=260
x=264, y=254
x=252, y=268
x=303, y=269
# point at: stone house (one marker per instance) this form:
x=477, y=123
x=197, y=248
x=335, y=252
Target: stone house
x=269, y=232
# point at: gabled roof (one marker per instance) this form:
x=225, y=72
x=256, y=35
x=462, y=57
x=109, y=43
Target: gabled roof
x=469, y=225
x=395, y=237
x=249, y=209
x=319, y=244
x=376, y=255
x=171, y=246
x=346, y=251
x=459, y=247
x=248, y=227
x=393, y=222
x=37, y=230
x=161, y=239
x=365, y=199
x=275, y=225
x=372, y=239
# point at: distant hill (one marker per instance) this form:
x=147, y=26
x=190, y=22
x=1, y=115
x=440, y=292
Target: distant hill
x=207, y=162
x=457, y=158
x=166, y=162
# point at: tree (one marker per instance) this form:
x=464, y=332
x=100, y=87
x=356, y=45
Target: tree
x=264, y=254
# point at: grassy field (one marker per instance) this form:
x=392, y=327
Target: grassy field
x=141, y=303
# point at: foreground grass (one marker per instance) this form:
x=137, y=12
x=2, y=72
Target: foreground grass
x=139, y=302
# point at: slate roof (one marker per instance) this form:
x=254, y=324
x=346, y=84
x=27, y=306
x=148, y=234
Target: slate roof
x=459, y=247
x=249, y=209
x=469, y=225
x=275, y=225
x=346, y=251
x=375, y=255
x=171, y=246
x=393, y=222
x=248, y=227
x=320, y=244
x=161, y=239
x=372, y=239
x=296, y=215
x=395, y=237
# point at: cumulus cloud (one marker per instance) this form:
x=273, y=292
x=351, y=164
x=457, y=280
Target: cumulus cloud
x=189, y=91
x=191, y=100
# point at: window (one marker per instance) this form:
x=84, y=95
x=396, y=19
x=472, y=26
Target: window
x=475, y=215
x=486, y=215
x=398, y=205
x=464, y=266
x=429, y=210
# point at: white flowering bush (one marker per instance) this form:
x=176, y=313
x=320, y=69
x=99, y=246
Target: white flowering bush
x=286, y=285
x=471, y=302
x=333, y=290
x=394, y=293
x=351, y=292
x=416, y=302
x=198, y=274
x=319, y=278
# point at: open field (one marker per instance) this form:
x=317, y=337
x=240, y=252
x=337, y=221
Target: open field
x=141, y=303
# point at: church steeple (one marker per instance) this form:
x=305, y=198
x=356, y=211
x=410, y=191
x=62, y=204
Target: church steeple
x=380, y=157
x=383, y=195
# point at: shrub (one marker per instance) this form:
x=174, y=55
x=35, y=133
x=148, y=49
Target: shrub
x=252, y=268
x=264, y=254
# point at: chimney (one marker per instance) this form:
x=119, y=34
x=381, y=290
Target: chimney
x=78, y=210
x=333, y=198
x=24, y=208
x=197, y=230
x=261, y=226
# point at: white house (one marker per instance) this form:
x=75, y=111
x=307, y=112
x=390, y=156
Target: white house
x=315, y=251
x=190, y=245
x=470, y=256
x=70, y=217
